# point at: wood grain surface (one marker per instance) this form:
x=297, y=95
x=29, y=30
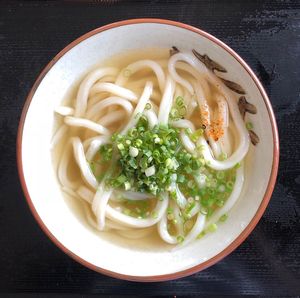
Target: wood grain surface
x=265, y=33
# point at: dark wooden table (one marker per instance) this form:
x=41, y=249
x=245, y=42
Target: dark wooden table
x=265, y=33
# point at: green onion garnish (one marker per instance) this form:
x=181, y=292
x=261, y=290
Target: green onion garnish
x=249, y=125
x=153, y=160
x=223, y=218
x=213, y=227
x=202, y=234
x=180, y=239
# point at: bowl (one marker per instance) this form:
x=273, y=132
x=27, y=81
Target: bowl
x=113, y=256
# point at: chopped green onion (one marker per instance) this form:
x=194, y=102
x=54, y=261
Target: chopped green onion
x=238, y=165
x=120, y=146
x=249, y=125
x=190, y=200
x=188, y=131
x=127, y=185
x=127, y=211
x=191, y=184
x=220, y=175
x=170, y=210
x=132, y=163
x=203, y=211
x=188, y=169
x=168, y=163
x=153, y=160
x=150, y=171
x=200, y=148
x=173, y=195
x=157, y=140
x=180, y=178
x=179, y=101
x=133, y=132
x=154, y=214
x=92, y=167
x=221, y=188
x=195, y=135
x=133, y=151
x=223, y=218
x=202, y=234
x=138, y=142
x=182, y=111
x=190, y=207
x=106, y=152
x=223, y=156
x=213, y=227
x=174, y=114
x=138, y=115
x=220, y=203
x=229, y=185
x=178, y=110
x=180, y=239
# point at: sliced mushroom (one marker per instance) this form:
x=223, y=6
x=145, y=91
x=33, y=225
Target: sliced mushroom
x=209, y=63
x=253, y=137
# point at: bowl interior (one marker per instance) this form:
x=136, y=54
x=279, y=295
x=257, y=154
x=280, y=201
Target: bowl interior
x=65, y=222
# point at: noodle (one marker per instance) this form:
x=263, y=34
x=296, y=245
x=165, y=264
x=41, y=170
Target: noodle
x=80, y=122
x=96, y=109
x=164, y=153
x=85, y=86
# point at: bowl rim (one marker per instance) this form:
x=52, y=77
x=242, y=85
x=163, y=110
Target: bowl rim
x=244, y=234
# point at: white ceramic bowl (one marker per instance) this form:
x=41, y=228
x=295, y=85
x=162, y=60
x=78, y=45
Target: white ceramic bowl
x=129, y=259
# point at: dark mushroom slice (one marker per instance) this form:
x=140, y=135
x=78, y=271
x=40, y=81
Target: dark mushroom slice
x=174, y=50
x=234, y=86
x=253, y=137
x=209, y=63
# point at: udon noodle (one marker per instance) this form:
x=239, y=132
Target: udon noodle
x=153, y=146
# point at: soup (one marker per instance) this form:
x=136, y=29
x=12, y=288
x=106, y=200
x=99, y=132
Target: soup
x=153, y=141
